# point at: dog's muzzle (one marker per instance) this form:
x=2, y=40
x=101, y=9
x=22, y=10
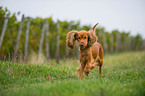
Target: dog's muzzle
x=81, y=45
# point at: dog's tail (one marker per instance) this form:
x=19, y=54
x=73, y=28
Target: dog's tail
x=95, y=26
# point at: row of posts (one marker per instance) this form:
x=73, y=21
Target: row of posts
x=45, y=32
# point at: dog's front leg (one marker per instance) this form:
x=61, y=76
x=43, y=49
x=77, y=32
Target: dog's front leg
x=87, y=68
x=80, y=70
x=81, y=75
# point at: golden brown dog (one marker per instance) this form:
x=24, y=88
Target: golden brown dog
x=90, y=51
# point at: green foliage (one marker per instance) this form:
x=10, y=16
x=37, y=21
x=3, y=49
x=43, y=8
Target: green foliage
x=123, y=75
x=87, y=28
x=108, y=40
x=139, y=42
x=126, y=42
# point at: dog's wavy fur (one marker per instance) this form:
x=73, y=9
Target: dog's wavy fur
x=91, y=52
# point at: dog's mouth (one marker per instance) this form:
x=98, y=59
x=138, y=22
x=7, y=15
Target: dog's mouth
x=81, y=45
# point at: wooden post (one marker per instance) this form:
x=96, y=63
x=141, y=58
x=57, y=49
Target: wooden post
x=111, y=42
x=41, y=41
x=104, y=42
x=128, y=42
x=26, y=39
x=134, y=44
x=46, y=41
x=66, y=49
x=3, y=30
x=99, y=36
x=18, y=37
x=143, y=45
x=117, y=42
x=125, y=43
x=57, y=43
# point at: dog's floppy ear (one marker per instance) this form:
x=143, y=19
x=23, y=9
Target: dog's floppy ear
x=70, y=38
x=92, y=38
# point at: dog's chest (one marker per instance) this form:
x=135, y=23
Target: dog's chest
x=84, y=57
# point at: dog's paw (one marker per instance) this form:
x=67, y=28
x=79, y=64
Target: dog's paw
x=87, y=73
x=78, y=70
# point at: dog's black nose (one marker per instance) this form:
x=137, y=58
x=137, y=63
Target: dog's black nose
x=81, y=45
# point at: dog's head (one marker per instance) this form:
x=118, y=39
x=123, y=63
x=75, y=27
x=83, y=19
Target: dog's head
x=85, y=38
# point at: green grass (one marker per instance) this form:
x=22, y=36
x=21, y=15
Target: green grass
x=123, y=75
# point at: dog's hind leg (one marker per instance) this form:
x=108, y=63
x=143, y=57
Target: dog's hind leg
x=101, y=64
x=100, y=68
x=95, y=63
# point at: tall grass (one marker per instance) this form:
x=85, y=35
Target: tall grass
x=123, y=75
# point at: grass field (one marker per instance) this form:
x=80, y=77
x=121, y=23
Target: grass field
x=123, y=75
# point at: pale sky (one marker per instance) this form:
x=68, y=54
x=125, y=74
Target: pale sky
x=124, y=15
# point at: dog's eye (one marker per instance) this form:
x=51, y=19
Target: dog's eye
x=79, y=38
x=84, y=37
